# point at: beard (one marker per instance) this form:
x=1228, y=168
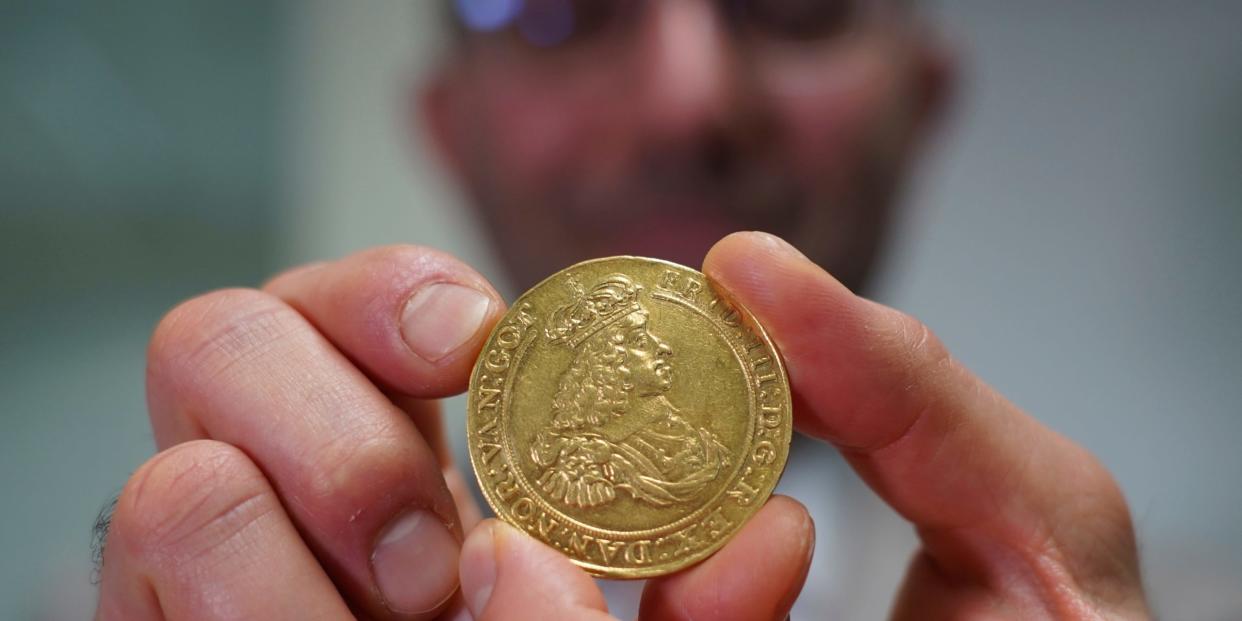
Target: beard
x=674, y=203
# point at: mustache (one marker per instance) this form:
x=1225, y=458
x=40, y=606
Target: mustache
x=725, y=182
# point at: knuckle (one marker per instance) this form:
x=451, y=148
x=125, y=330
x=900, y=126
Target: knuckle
x=1089, y=533
x=908, y=353
x=1095, y=497
x=408, y=262
x=205, y=336
x=190, y=498
x=913, y=366
x=351, y=468
x=921, y=349
x=286, y=278
x=400, y=253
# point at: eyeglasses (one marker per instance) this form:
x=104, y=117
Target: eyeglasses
x=565, y=24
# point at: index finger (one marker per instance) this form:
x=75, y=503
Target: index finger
x=981, y=480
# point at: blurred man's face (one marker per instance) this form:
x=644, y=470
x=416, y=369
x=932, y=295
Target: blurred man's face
x=588, y=128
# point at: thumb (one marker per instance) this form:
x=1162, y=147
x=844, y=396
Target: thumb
x=507, y=575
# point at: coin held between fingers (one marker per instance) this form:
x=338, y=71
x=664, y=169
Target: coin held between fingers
x=627, y=414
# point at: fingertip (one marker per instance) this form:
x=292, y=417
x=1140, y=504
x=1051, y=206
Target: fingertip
x=770, y=277
x=413, y=318
x=504, y=569
x=735, y=252
x=287, y=281
x=561, y=578
x=477, y=567
x=746, y=247
x=792, y=515
x=757, y=575
x=853, y=363
x=795, y=516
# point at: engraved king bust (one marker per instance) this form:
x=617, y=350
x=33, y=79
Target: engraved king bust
x=612, y=427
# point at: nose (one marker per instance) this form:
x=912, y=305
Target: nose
x=662, y=349
x=686, y=68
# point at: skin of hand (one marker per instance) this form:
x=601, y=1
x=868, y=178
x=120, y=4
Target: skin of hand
x=1015, y=521
x=303, y=471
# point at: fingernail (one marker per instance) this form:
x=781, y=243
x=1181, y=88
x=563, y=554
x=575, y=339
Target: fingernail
x=442, y=317
x=415, y=563
x=478, y=567
x=462, y=614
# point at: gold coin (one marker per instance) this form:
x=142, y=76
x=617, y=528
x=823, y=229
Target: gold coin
x=627, y=414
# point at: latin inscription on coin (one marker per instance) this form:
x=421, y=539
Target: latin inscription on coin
x=627, y=414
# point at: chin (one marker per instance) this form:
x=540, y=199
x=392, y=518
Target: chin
x=677, y=238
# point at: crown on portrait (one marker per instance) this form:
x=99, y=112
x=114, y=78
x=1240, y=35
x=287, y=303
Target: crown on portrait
x=612, y=299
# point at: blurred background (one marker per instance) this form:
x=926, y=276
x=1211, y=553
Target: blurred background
x=1075, y=238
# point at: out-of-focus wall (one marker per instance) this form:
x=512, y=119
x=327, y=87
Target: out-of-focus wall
x=137, y=150
x=1078, y=242
x=1075, y=237
x=356, y=172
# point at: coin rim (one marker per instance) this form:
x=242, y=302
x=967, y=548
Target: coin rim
x=764, y=493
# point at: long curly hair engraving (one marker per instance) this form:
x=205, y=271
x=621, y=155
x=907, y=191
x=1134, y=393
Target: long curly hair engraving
x=595, y=388
x=619, y=369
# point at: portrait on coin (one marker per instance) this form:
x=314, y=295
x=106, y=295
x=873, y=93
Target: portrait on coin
x=612, y=427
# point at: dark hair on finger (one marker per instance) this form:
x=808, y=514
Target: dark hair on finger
x=99, y=536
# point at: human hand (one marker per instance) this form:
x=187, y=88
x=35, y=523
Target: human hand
x=506, y=575
x=303, y=471
x=1015, y=521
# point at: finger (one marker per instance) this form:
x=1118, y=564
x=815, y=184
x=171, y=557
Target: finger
x=508, y=576
x=755, y=577
x=198, y=533
x=987, y=485
x=412, y=318
x=426, y=416
x=244, y=368
x=467, y=508
x=386, y=309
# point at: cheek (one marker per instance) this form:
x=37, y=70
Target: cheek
x=829, y=112
x=535, y=129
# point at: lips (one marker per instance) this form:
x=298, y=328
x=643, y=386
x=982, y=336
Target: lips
x=674, y=233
